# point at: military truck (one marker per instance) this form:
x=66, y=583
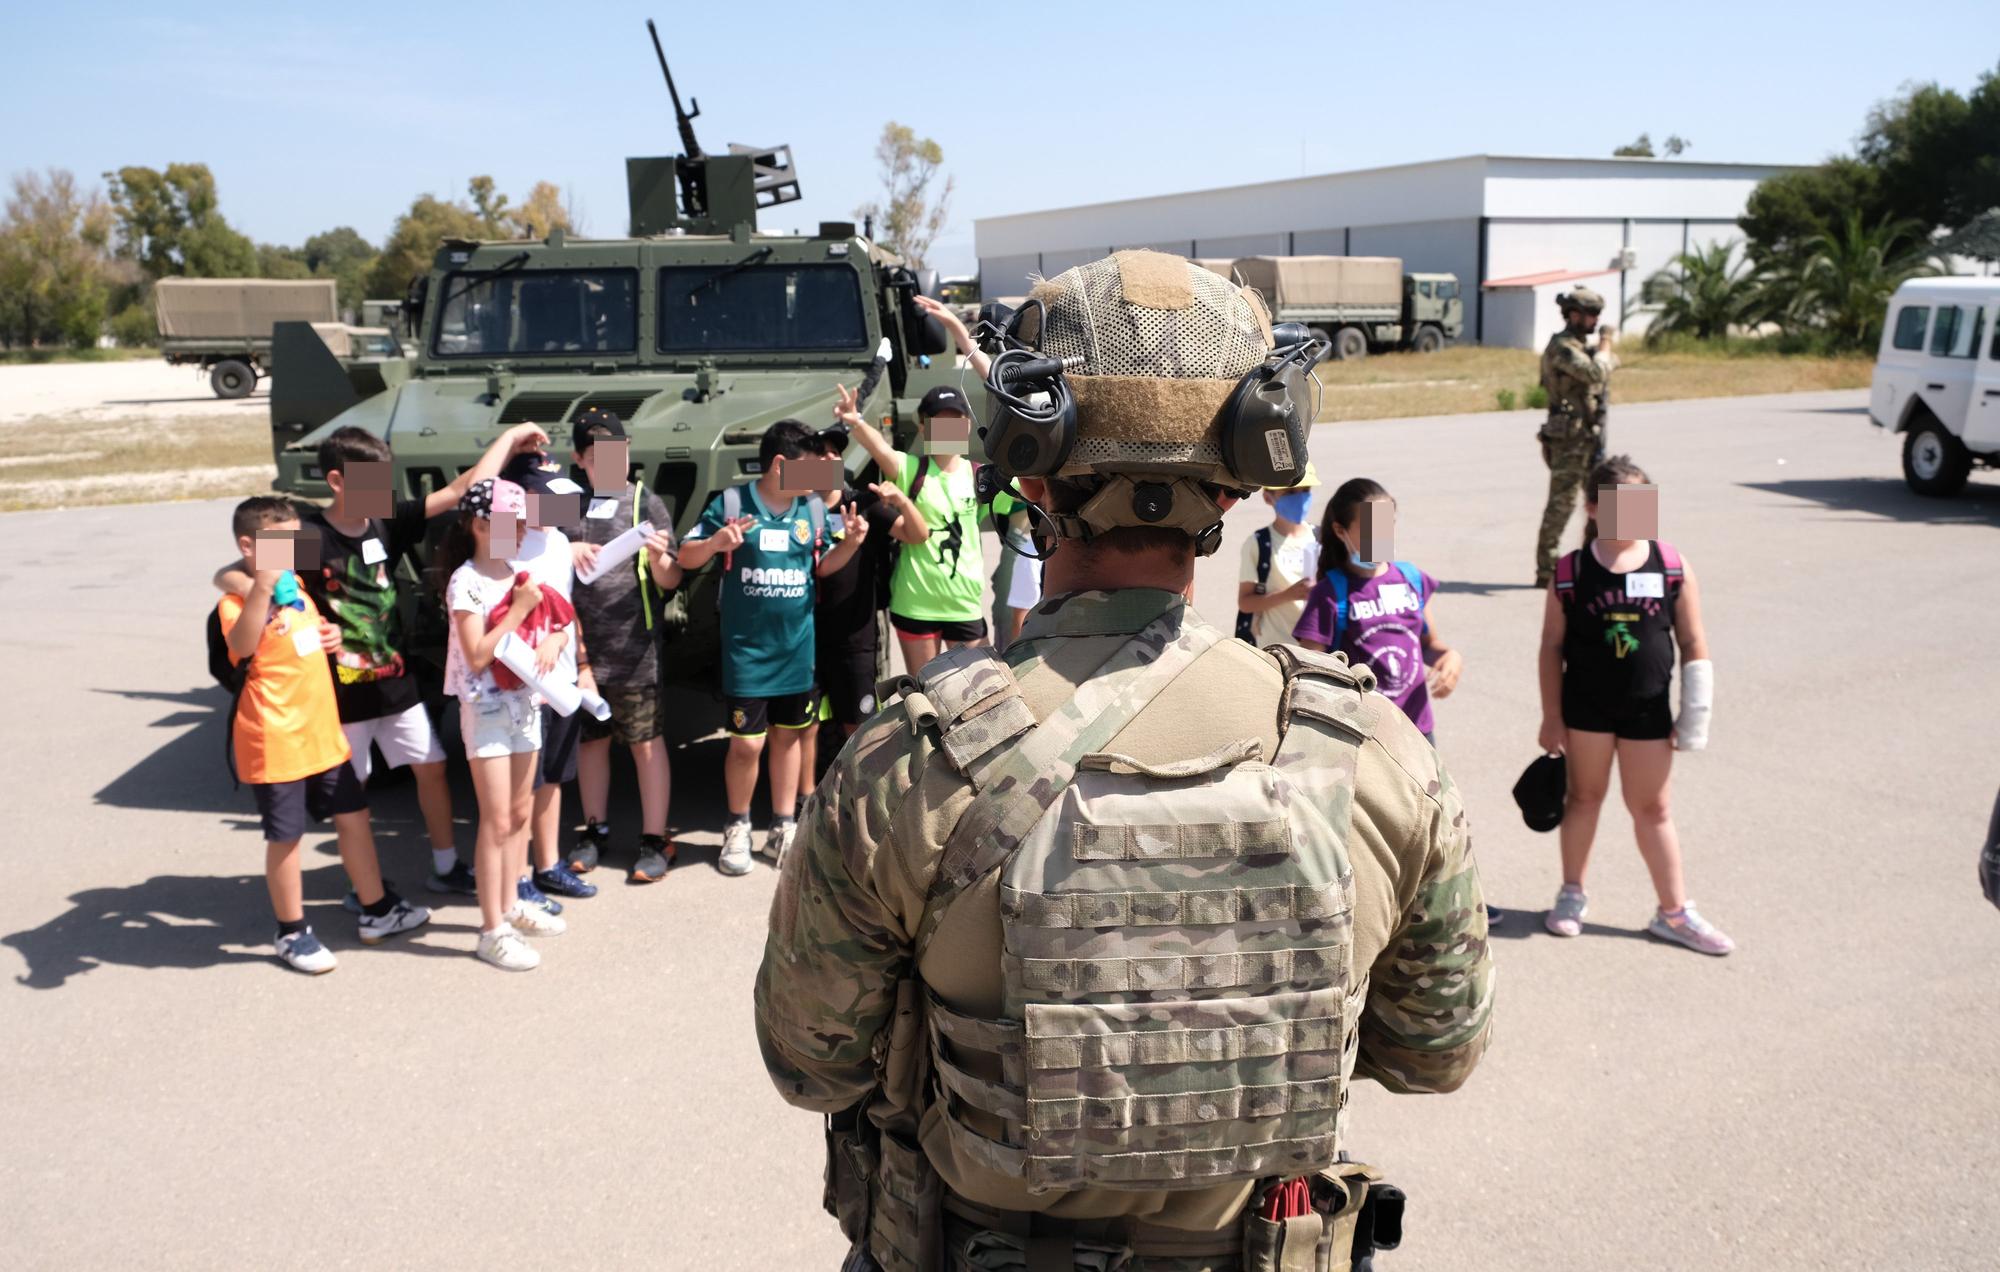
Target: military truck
x=697, y=328
x=1358, y=303
x=224, y=324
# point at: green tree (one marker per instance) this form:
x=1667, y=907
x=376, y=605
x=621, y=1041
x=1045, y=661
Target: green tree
x=1850, y=273
x=281, y=262
x=56, y=272
x=1937, y=152
x=414, y=242
x=908, y=218
x=1640, y=147
x=1785, y=211
x=169, y=223
x=343, y=255
x=491, y=207
x=542, y=211
x=1705, y=293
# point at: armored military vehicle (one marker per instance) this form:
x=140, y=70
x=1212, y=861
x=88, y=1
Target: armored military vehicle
x=698, y=329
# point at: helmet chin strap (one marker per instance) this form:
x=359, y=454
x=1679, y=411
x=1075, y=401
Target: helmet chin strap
x=1141, y=501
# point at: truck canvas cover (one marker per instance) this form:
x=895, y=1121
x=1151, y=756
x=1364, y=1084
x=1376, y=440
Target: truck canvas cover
x=240, y=308
x=1310, y=282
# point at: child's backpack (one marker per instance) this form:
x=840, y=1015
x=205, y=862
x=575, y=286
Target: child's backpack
x=1670, y=562
x=231, y=676
x=732, y=508
x=1246, y=622
x=1343, y=584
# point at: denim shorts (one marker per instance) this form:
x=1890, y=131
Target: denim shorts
x=500, y=724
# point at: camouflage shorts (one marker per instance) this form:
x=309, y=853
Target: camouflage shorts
x=635, y=714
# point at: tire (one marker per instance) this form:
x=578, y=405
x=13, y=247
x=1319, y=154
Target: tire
x=232, y=379
x=1934, y=462
x=1350, y=344
x=1429, y=340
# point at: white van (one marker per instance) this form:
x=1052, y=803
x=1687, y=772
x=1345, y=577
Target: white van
x=1937, y=379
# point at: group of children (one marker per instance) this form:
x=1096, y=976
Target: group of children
x=1611, y=622
x=310, y=616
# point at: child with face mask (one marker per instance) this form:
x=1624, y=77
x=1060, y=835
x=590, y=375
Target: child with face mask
x=1376, y=610
x=1278, y=565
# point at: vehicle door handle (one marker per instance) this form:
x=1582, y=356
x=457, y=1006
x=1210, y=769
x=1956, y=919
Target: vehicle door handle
x=1993, y=393
x=1935, y=388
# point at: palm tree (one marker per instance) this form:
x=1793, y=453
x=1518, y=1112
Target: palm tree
x=1704, y=293
x=1850, y=273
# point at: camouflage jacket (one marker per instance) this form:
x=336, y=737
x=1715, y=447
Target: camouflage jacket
x=1576, y=380
x=851, y=900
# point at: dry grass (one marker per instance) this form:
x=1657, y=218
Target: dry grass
x=64, y=463
x=1469, y=378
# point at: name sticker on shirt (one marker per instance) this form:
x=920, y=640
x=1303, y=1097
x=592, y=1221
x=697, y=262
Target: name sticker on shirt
x=1646, y=585
x=600, y=509
x=306, y=641
x=372, y=552
x=774, y=540
x=1395, y=597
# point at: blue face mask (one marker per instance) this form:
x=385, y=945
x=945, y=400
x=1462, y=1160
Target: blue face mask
x=1295, y=507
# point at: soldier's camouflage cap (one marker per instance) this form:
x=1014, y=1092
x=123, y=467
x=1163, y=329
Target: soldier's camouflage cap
x=1582, y=298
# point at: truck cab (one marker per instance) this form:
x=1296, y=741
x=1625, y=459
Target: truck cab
x=1432, y=305
x=1937, y=379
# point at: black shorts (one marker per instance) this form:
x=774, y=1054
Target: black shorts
x=847, y=679
x=1635, y=720
x=753, y=717
x=288, y=808
x=560, y=735
x=966, y=632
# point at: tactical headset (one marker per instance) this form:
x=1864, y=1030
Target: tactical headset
x=1031, y=426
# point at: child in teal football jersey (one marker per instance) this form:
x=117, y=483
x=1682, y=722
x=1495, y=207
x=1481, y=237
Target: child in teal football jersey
x=771, y=535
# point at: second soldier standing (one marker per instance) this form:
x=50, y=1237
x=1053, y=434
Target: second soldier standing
x=1576, y=375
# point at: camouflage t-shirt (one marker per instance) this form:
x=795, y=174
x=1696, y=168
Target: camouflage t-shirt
x=611, y=611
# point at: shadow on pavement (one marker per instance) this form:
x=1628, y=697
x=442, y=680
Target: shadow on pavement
x=188, y=772
x=193, y=921
x=1486, y=589
x=1889, y=497
x=1830, y=410
x=1521, y=925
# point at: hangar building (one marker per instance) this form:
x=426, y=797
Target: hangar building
x=1515, y=229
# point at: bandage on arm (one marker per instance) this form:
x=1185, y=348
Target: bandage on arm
x=1697, y=697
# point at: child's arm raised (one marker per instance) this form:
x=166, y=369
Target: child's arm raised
x=233, y=579
x=516, y=440
x=248, y=629
x=850, y=543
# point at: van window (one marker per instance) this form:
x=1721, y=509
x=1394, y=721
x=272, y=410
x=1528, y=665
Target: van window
x=1956, y=335
x=1910, y=323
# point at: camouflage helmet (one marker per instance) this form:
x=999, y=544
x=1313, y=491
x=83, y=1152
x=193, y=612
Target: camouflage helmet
x=1154, y=346
x=1582, y=299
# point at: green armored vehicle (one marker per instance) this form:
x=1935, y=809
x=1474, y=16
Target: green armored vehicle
x=698, y=329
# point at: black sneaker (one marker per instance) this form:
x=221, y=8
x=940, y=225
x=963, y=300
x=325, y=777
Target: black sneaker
x=656, y=855
x=589, y=847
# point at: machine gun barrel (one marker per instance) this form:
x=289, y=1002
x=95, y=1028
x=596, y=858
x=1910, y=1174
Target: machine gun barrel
x=682, y=118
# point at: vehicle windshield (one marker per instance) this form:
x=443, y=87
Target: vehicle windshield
x=540, y=312
x=759, y=308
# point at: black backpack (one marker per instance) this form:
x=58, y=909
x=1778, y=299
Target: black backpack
x=231, y=676
x=1246, y=622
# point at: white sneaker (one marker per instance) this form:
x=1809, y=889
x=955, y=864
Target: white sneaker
x=302, y=952
x=735, y=858
x=401, y=918
x=504, y=948
x=533, y=920
x=778, y=841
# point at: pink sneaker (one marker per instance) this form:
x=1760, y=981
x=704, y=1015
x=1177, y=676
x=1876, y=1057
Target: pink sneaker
x=1565, y=917
x=1691, y=930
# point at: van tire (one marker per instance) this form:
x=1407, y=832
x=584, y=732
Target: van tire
x=1429, y=340
x=232, y=379
x=1934, y=462
x=1350, y=344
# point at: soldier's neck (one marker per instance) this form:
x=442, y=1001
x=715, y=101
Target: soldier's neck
x=1070, y=570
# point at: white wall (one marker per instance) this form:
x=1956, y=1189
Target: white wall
x=1430, y=247
x=1617, y=188
x=1510, y=318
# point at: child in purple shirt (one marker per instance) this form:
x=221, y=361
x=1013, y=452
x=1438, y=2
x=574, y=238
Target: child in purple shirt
x=1375, y=610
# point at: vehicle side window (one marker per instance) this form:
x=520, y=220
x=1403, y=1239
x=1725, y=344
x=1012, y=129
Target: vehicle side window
x=1424, y=290
x=1447, y=291
x=1910, y=323
x=1954, y=336
x=1993, y=354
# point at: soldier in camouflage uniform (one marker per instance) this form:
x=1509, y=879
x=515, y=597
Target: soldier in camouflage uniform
x=1577, y=379
x=1081, y=948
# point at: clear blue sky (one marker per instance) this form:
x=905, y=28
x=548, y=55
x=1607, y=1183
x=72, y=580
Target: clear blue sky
x=320, y=115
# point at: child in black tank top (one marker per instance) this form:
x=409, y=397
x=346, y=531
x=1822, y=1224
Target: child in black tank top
x=1610, y=625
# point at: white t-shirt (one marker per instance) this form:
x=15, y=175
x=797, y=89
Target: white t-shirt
x=1294, y=557
x=545, y=555
x=470, y=592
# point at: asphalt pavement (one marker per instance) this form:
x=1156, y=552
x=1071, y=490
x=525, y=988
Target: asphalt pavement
x=1828, y=1096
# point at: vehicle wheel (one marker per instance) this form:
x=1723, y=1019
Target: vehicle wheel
x=232, y=379
x=1350, y=343
x=1429, y=340
x=1934, y=462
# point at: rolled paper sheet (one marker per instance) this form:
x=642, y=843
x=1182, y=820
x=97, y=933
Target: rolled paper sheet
x=597, y=706
x=616, y=553
x=518, y=656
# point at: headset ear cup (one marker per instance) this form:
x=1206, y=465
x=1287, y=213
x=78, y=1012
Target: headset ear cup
x=1264, y=428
